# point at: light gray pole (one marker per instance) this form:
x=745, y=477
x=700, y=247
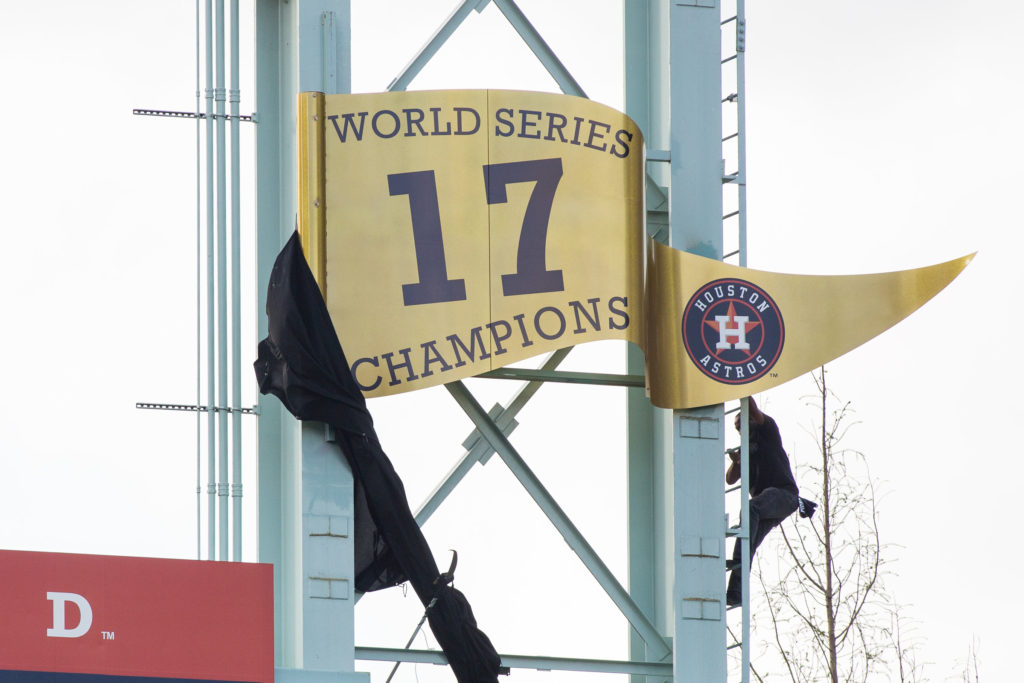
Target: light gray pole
x=305, y=485
x=649, y=496
x=676, y=463
x=234, y=95
x=695, y=215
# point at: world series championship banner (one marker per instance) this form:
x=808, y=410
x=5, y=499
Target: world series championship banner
x=456, y=232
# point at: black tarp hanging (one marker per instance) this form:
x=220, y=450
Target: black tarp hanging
x=302, y=363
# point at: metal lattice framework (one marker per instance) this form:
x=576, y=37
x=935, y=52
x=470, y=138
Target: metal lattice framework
x=305, y=46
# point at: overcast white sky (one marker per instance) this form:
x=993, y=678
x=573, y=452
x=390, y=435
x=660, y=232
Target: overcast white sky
x=881, y=136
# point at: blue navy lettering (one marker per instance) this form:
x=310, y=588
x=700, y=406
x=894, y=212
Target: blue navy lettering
x=396, y=124
x=532, y=275
x=548, y=322
x=594, y=135
x=528, y=124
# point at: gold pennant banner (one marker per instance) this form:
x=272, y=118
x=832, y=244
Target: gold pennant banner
x=456, y=232
x=721, y=332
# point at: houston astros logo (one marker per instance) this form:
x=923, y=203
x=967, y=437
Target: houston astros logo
x=733, y=331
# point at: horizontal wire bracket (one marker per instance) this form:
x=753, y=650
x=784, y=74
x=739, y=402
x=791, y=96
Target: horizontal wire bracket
x=184, y=407
x=191, y=115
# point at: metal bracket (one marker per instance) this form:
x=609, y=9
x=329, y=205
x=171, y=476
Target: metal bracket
x=186, y=407
x=700, y=546
x=192, y=115
x=329, y=588
x=699, y=427
x=329, y=527
x=708, y=609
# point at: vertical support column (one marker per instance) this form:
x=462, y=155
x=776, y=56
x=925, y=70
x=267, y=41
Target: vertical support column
x=698, y=443
x=305, y=488
x=234, y=97
x=211, y=385
x=277, y=436
x=328, y=594
x=696, y=143
x=645, y=48
x=676, y=468
x=699, y=504
x=220, y=96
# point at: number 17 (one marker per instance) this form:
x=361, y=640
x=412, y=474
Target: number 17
x=532, y=275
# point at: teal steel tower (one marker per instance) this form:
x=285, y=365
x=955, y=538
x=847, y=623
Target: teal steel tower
x=675, y=597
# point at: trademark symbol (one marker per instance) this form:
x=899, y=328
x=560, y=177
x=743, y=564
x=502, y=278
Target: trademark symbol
x=775, y=375
x=107, y=635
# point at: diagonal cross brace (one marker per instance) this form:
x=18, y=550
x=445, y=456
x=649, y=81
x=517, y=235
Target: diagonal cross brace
x=540, y=48
x=658, y=647
x=427, y=52
x=477, y=448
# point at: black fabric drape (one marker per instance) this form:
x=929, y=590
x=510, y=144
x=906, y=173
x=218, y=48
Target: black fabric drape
x=302, y=363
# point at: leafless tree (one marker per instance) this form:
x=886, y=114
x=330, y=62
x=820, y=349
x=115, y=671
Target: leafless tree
x=969, y=671
x=829, y=615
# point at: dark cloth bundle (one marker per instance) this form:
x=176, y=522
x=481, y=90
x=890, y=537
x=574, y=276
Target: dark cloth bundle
x=302, y=363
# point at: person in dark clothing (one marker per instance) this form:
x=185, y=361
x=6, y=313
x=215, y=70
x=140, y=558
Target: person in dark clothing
x=773, y=491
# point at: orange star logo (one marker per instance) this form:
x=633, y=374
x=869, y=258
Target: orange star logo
x=731, y=325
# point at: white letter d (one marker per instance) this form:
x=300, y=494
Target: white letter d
x=60, y=629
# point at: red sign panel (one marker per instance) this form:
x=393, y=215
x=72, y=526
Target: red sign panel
x=86, y=617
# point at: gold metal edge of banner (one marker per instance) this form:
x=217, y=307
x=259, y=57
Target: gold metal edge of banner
x=312, y=223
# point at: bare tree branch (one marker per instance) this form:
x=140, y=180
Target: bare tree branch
x=830, y=614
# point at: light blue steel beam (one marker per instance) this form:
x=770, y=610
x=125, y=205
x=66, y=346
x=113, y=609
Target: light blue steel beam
x=658, y=647
x=222, y=292
x=427, y=52
x=595, y=378
x=741, y=125
x=645, y=52
x=744, y=537
x=697, y=439
x=279, y=511
x=211, y=363
x=387, y=654
x=199, y=289
x=477, y=448
x=236, y=297
x=540, y=48
x=313, y=630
